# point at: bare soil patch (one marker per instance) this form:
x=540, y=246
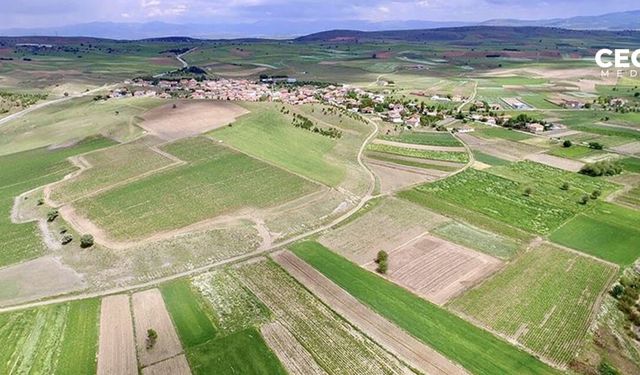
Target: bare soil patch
x=557, y=162
x=436, y=269
x=632, y=148
x=189, y=118
x=149, y=312
x=294, y=357
x=37, y=278
x=500, y=148
x=385, y=333
x=177, y=365
x=394, y=177
x=117, y=351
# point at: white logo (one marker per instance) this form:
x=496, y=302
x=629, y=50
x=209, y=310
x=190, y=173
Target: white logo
x=622, y=58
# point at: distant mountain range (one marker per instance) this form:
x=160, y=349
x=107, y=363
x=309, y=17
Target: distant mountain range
x=286, y=29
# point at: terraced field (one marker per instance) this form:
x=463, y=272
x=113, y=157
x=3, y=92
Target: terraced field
x=334, y=344
x=544, y=300
x=58, y=339
x=216, y=180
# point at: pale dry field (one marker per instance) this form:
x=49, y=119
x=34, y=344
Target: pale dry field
x=149, y=312
x=438, y=270
x=189, y=118
x=556, y=162
x=177, y=365
x=632, y=148
x=500, y=148
x=385, y=333
x=294, y=357
x=394, y=177
x=117, y=350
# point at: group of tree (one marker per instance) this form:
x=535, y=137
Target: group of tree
x=627, y=292
x=521, y=121
x=300, y=121
x=382, y=259
x=602, y=168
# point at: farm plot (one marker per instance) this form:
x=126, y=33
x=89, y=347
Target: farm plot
x=111, y=167
x=182, y=119
x=335, y=345
x=234, y=307
x=502, y=133
x=149, y=313
x=117, y=348
x=575, y=152
x=556, y=162
x=591, y=233
x=544, y=300
x=436, y=269
x=216, y=181
x=475, y=238
x=424, y=138
x=632, y=148
x=500, y=148
x=630, y=198
x=386, y=142
x=388, y=225
x=474, y=348
x=294, y=357
x=393, y=177
x=177, y=365
x=500, y=194
x=458, y=157
x=58, y=339
x=435, y=165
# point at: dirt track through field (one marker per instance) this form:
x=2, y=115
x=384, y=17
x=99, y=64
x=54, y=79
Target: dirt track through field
x=385, y=333
x=177, y=365
x=149, y=312
x=117, y=351
x=295, y=358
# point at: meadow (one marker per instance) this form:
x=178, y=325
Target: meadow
x=544, y=300
x=57, y=339
x=574, y=152
x=458, y=157
x=591, y=232
x=474, y=348
x=215, y=180
x=21, y=172
x=502, y=133
x=424, y=138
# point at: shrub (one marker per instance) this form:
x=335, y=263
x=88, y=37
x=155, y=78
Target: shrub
x=565, y=186
x=528, y=191
x=606, y=369
x=382, y=256
x=383, y=266
x=602, y=168
x=596, y=145
x=617, y=291
x=595, y=194
x=52, y=215
x=40, y=201
x=152, y=337
x=86, y=241
x=66, y=239
x=584, y=199
x=567, y=143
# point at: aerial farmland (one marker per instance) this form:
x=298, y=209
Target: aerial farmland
x=448, y=201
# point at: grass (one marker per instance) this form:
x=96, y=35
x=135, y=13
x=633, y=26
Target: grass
x=216, y=180
x=574, y=152
x=267, y=134
x=21, y=172
x=489, y=159
x=57, y=339
x=478, y=239
x=630, y=198
x=502, y=133
x=243, y=352
x=188, y=313
x=543, y=299
x=609, y=232
x=500, y=194
x=631, y=164
x=477, y=350
x=424, y=138
x=458, y=157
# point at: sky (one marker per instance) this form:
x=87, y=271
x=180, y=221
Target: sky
x=47, y=13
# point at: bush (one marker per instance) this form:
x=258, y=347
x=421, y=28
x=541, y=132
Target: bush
x=565, y=186
x=584, y=199
x=595, y=194
x=152, y=337
x=607, y=369
x=40, y=201
x=86, y=241
x=52, y=215
x=602, y=168
x=567, y=143
x=66, y=239
x=617, y=291
x=382, y=256
x=528, y=191
x=596, y=145
x=383, y=266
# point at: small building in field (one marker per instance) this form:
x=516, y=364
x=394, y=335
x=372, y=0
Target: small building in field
x=535, y=128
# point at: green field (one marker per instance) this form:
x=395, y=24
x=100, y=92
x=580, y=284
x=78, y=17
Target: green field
x=458, y=157
x=489, y=159
x=574, y=152
x=630, y=198
x=502, y=133
x=424, y=138
x=478, y=239
x=631, y=164
x=500, y=194
x=543, y=300
x=58, y=339
x=477, y=350
x=609, y=232
x=243, y=352
x=215, y=180
x=24, y=171
x=267, y=134
x=188, y=313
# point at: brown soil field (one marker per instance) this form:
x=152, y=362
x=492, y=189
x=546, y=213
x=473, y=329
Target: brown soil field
x=385, y=333
x=189, y=118
x=632, y=148
x=37, y=278
x=500, y=148
x=420, y=147
x=561, y=133
x=436, y=269
x=149, y=312
x=117, y=351
x=177, y=365
x=294, y=357
x=394, y=177
x=164, y=60
x=557, y=162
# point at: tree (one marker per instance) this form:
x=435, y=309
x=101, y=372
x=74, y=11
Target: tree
x=567, y=143
x=66, y=238
x=528, y=191
x=383, y=262
x=565, y=186
x=595, y=194
x=584, y=199
x=596, y=145
x=52, y=215
x=602, y=168
x=382, y=256
x=152, y=338
x=617, y=291
x=86, y=241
